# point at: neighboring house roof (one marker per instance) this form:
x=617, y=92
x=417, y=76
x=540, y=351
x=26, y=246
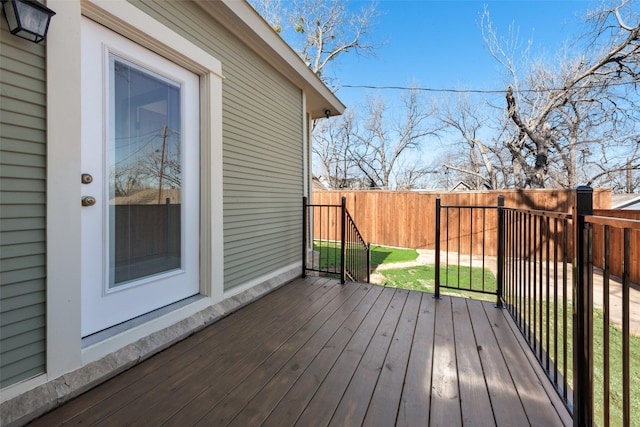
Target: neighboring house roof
x=461, y=186
x=242, y=20
x=318, y=184
x=330, y=182
x=625, y=201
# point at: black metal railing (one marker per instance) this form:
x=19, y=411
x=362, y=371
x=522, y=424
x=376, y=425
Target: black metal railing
x=536, y=288
x=338, y=247
x=575, y=320
x=604, y=357
x=467, y=232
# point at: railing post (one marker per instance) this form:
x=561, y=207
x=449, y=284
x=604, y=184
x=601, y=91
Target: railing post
x=437, y=254
x=500, y=272
x=305, y=226
x=582, y=311
x=368, y=262
x=343, y=247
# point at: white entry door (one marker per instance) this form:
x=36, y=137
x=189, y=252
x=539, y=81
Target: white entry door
x=140, y=183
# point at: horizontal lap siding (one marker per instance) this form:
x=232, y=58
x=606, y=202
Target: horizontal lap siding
x=262, y=149
x=22, y=208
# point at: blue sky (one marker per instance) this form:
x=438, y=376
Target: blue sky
x=438, y=44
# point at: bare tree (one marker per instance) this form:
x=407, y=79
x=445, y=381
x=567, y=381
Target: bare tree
x=331, y=150
x=378, y=147
x=478, y=167
x=321, y=30
x=126, y=180
x=163, y=168
x=585, y=101
x=272, y=11
x=412, y=175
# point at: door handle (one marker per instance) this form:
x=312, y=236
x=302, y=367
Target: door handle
x=88, y=200
x=86, y=178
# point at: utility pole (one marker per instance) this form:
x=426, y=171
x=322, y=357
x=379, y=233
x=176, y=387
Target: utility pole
x=629, y=185
x=164, y=143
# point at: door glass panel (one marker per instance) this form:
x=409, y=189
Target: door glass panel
x=145, y=179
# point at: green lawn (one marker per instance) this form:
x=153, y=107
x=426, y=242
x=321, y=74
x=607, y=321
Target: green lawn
x=615, y=343
x=615, y=361
x=384, y=255
x=330, y=254
x=422, y=278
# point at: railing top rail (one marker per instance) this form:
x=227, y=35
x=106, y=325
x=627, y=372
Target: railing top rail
x=469, y=206
x=355, y=227
x=323, y=206
x=613, y=222
x=536, y=212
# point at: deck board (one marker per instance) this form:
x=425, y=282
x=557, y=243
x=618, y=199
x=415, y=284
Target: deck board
x=315, y=353
x=355, y=401
x=507, y=406
x=179, y=383
x=416, y=395
x=475, y=402
x=445, y=398
x=328, y=396
x=131, y=383
x=537, y=409
x=300, y=394
x=386, y=397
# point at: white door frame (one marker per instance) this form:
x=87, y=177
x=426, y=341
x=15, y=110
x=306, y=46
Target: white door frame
x=64, y=191
x=103, y=305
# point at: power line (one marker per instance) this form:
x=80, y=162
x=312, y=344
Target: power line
x=425, y=89
x=484, y=91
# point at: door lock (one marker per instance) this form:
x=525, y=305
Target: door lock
x=88, y=200
x=87, y=178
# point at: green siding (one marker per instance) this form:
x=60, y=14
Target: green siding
x=22, y=208
x=262, y=148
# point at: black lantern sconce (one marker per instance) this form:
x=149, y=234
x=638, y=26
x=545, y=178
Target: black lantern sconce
x=27, y=19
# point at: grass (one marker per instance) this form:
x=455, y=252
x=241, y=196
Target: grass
x=384, y=255
x=462, y=280
x=615, y=361
x=418, y=278
x=379, y=254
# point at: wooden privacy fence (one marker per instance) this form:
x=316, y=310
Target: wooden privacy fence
x=407, y=219
x=616, y=242
x=146, y=231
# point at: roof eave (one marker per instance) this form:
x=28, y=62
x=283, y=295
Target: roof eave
x=241, y=19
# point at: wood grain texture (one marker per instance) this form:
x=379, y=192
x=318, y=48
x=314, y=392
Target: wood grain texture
x=316, y=353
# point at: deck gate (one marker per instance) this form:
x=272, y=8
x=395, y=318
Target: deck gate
x=337, y=246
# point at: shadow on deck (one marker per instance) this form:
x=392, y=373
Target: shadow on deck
x=318, y=353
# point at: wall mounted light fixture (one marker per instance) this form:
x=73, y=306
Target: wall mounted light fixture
x=27, y=19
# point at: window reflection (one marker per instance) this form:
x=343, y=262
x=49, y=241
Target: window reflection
x=145, y=176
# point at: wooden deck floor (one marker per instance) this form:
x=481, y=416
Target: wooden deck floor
x=318, y=353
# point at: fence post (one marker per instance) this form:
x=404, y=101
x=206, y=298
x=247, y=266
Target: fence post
x=343, y=247
x=500, y=272
x=305, y=226
x=582, y=311
x=437, y=254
